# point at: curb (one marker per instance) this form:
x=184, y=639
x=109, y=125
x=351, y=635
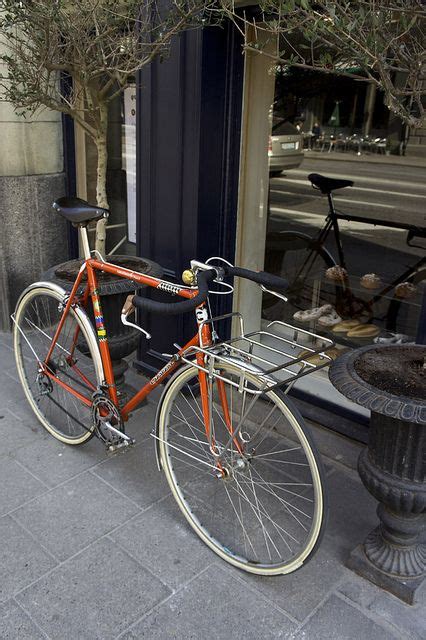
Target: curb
x=401, y=161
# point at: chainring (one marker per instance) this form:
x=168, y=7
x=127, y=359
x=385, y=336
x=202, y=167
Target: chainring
x=104, y=411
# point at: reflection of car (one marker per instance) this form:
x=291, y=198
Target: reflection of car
x=285, y=147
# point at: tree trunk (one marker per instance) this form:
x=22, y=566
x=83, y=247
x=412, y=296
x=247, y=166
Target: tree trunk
x=101, y=193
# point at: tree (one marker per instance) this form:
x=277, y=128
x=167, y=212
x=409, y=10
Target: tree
x=379, y=41
x=99, y=45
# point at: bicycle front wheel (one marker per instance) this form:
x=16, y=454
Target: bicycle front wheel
x=261, y=505
x=75, y=361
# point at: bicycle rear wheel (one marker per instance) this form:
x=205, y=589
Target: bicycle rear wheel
x=263, y=508
x=75, y=361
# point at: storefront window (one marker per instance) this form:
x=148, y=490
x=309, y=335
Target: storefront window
x=355, y=260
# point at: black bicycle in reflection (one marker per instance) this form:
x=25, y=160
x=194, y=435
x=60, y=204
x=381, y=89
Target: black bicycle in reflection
x=303, y=259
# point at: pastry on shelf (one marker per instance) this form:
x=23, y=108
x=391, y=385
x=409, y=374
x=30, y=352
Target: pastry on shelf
x=405, y=290
x=330, y=319
x=336, y=274
x=312, y=314
x=371, y=281
x=364, y=331
x=317, y=359
x=345, y=326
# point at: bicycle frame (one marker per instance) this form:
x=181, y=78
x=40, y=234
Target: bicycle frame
x=202, y=338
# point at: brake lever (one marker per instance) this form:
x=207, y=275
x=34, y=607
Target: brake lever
x=128, y=309
x=274, y=293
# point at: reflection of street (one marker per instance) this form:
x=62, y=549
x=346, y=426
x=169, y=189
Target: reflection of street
x=382, y=191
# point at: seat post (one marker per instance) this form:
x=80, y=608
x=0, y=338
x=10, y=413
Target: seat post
x=84, y=241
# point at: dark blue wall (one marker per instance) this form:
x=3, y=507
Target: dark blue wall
x=188, y=144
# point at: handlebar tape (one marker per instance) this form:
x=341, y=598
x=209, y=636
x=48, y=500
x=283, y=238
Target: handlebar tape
x=203, y=280
x=261, y=277
x=174, y=308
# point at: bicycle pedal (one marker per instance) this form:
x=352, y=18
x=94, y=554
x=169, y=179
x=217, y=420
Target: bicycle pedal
x=113, y=448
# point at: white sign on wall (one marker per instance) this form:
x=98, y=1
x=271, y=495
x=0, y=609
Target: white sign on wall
x=129, y=158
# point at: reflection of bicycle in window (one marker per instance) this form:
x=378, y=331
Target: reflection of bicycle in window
x=302, y=258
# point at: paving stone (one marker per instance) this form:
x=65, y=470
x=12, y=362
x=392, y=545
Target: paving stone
x=16, y=433
x=22, y=559
x=94, y=596
x=7, y=357
x=408, y=620
x=20, y=408
x=6, y=337
x=214, y=605
x=11, y=389
x=335, y=447
x=17, y=485
x=12, y=396
x=162, y=540
x=142, y=422
x=16, y=625
x=352, y=513
x=337, y=620
x=134, y=472
x=54, y=462
x=299, y=592
x=73, y=515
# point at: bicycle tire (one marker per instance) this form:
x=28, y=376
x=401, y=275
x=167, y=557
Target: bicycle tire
x=205, y=498
x=286, y=254
x=37, y=315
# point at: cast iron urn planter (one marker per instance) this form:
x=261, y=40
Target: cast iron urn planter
x=390, y=381
x=122, y=340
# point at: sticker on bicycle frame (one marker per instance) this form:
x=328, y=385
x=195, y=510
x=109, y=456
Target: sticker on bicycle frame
x=201, y=314
x=158, y=375
x=170, y=288
x=101, y=332
x=99, y=320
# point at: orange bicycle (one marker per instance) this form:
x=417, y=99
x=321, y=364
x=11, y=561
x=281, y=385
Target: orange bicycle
x=236, y=453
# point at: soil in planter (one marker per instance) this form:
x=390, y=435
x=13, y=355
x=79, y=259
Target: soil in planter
x=396, y=370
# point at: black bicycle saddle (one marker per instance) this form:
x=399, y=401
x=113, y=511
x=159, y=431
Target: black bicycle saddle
x=327, y=185
x=78, y=211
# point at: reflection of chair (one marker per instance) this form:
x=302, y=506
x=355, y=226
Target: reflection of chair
x=341, y=142
x=355, y=143
x=327, y=142
x=380, y=145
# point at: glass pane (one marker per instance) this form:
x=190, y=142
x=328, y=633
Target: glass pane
x=361, y=278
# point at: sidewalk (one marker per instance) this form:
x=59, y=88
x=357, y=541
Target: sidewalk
x=93, y=547
x=370, y=158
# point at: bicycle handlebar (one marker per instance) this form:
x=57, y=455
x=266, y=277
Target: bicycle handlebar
x=203, y=280
x=260, y=277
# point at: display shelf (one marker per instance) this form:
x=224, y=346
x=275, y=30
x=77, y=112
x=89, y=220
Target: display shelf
x=379, y=307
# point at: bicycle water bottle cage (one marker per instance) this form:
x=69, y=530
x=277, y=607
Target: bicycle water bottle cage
x=78, y=211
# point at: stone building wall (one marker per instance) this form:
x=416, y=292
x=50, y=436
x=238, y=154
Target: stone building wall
x=32, y=237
